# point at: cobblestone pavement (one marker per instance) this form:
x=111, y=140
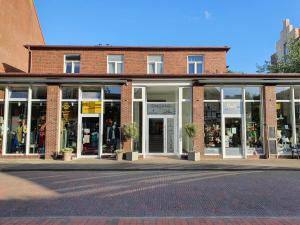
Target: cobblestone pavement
x=236, y=194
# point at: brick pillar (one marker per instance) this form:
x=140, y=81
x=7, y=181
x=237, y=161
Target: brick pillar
x=198, y=117
x=126, y=110
x=270, y=113
x=52, y=121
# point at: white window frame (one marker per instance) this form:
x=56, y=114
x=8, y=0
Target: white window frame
x=116, y=63
x=156, y=63
x=73, y=63
x=195, y=64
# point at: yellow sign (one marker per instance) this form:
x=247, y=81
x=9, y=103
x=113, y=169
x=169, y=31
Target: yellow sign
x=91, y=107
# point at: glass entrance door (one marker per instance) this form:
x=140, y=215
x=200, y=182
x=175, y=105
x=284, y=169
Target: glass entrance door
x=233, y=137
x=90, y=136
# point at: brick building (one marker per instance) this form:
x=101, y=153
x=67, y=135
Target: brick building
x=80, y=97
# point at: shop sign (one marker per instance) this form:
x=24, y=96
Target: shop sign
x=65, y=111
x=232, y=107
x=161, y=109
x=91, y=107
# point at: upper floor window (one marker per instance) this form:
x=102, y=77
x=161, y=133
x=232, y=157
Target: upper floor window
x=115, y=64
x=72, y=63
x=195, y=64
x=155, y=64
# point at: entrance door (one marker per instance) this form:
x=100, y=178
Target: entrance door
x=233, y=138
x=90, y=136
x=161, y=135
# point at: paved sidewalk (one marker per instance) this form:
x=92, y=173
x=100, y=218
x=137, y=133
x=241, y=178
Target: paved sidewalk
x=147, y=164
x=150, y=221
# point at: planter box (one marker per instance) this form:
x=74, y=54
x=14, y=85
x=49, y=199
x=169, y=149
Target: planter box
x=119, y=156
x=194, y=156
x=67, y=156
x=132, y=156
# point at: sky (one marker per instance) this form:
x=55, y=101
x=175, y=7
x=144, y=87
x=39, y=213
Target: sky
x=250, y=27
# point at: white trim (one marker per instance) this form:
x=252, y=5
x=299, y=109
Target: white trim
x=116, y=64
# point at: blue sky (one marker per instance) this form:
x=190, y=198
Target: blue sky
x=249, y=27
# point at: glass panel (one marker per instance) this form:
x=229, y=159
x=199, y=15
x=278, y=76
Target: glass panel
x=112, y=92
x=111, y=127
x=19, y=93
x=186, y=118
x=69, y=93
x=284, y=128
x=155, y=58
x=191, y=68
x=76, y=67
x=199, y=68
x=38, y=128
x=162, y=94
x=39, y=92
x=91, y=93
x=233, y=134
x=138, y=93
x=297, y=115
x=170, y=135
x=73, y=57
x=187, y=93
x=283, y=93
x=212, y=93
x=69, y=120
x=232, y=93
x=297, y=92
x=111, y=67
x=156, y=135
x=160, y=69
x=138, y=120
x=212, y=127
x=254, y=140
x=90, y=136
x=151, y=68
x=68, y=67
x=195, y=58
x=119, y=67
x=252, y=93
x=115, y=58
x=17, y=128
x=161, y=109
x=1, y=125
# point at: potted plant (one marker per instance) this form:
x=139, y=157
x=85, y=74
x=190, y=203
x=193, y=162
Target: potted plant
x=119, y=155
x=67, y=154
x=130, y=132
x=191, y=132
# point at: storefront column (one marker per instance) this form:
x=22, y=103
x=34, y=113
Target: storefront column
x=126, y=111
x=270, y=114
x=198, y=118
x=52, y=121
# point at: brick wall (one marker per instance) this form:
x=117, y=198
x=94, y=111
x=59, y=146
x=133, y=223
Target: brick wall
x=198, y=117
x=95, y=61
x=126, y=110
x=52, y=121
x=269, y=113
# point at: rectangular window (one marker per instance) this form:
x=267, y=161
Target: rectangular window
x=72, y=64
x=212, y=93
x=91, y=93
x=252, y=93
x=232, y=93
x=195, y=64
x=19, y=93
x=39, y=92
x=70, y=93
x=112, y=93
x=155, y=64
x=283, y=93
x=115, y=64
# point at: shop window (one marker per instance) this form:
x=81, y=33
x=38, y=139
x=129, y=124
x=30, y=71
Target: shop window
x=38, y=128
x=17, y=128
x=1, y=125
x=232, y=93
x=19, y=93
x=112, y=93
x=212, y=93
x=69, y=93
x=72, y=64
x=91, y=93
x=39, y=92
x=138, y=120
x=252, y=93
x=212, y=127
x=186, y=118
x=111, y=127
x=253, y=132
x=69, y=120
x=187, y=93
x=297, y=119
x=297, y=92
x=115, y=64
x=195, y=64
x=284, y=128
x=283, y=93
x=138, y=93
x=155, y=64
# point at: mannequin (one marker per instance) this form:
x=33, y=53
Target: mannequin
x=113, y=136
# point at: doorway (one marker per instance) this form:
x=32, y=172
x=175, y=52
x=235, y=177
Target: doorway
x=233, y=138
x=90, y=136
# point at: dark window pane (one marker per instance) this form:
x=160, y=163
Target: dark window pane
x=212, y=93
x=72, y=57
x=39, y=92
x=69, y=93
x=19, y=94
x=112, y=92
x=68, y=67
x=77, y=67
x=191, y=68
x=283, y=93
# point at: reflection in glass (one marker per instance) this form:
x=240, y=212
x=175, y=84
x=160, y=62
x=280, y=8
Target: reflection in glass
x=39, y=93
x=186, y=118
x=212, y=93
x=138, y=93
x=112, y=92
x=187, y=93
x=17, y=128
x=232, y=93
x=138, y=120
x=69, y=93
x=252, y=93
x=91, y=93
x=90, y=136
x=233, y=135
x=283, y=93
